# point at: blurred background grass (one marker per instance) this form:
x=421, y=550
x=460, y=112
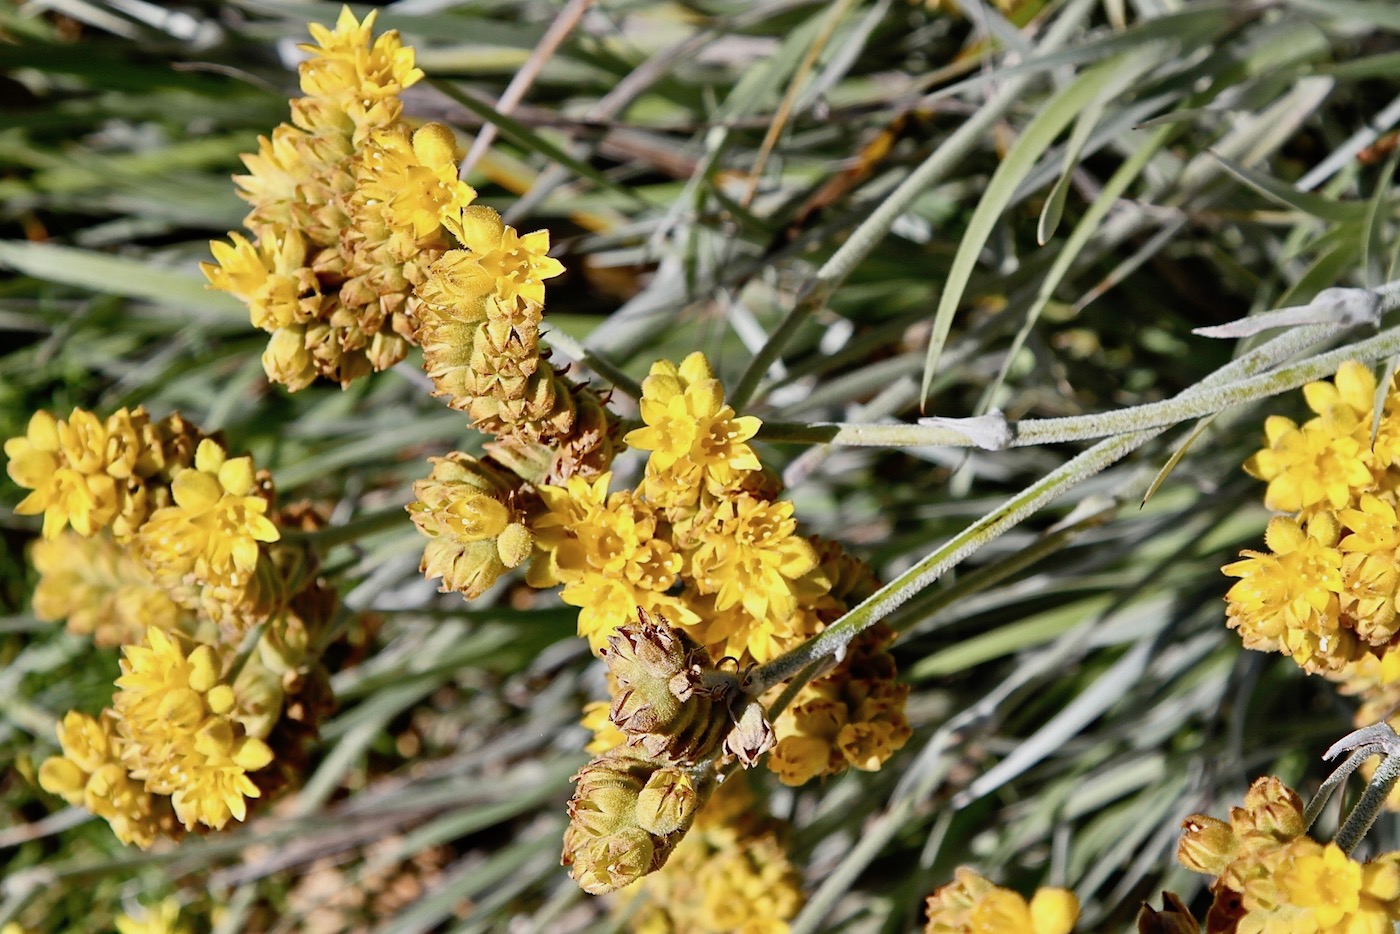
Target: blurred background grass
x=1161, y=166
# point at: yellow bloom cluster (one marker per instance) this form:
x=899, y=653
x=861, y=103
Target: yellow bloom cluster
x=703, y=541
x=158, y=919
x=94, y=474
x=730, y=874
x=156, y=540
x=91, y=774
x=972, y=905
x=1269, y=876
x=345, y=213
x=851, y=717
x=101, y=589
x=1325, y=592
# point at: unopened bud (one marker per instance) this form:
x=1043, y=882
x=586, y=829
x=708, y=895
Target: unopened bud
x=671, y=701
x=1270, y=807
x=751, y=737
x=515, y=544
x=606, y=864
x=668, y=802
x=1207, y=845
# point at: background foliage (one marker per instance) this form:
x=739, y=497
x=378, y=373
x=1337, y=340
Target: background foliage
x=1128, y=170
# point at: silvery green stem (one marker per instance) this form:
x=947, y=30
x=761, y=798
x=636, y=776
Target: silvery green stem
x=986, y=529
x=1369, y=807
x=1335, y=781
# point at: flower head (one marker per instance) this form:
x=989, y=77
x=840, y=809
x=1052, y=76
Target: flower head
x=364, y=78
x=497, y=262
x=177, y=717
x=215, y=528
x=972, y=905
x=696, y=441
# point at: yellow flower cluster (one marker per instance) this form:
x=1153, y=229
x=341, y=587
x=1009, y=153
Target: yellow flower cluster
x=1325, y=592
x=94, y=474
x=1269, y=876
x=972, y=905
x=157, y=919
x=345, y=213
x=156, y=540
x=730, y=874
x=703, y=541
x=851, y=717
x=101, y=589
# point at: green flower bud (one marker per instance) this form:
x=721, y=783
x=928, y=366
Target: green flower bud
x=668, y=802
x=605, y=864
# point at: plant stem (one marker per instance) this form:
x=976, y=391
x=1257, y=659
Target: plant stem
x=986, y=529
x=1369, y=807
x=359, y=527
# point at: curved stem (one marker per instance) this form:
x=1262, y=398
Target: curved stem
x=1369, y=807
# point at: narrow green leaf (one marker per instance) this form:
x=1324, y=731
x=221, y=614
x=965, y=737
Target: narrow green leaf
x=1042, y=131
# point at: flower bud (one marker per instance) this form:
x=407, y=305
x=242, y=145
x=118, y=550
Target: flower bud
x=668, y=802
x=670, y=701
x=466, y=509
x=1270, y=807
x=1207, y=845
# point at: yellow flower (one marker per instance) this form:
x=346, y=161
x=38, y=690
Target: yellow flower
x=696, y=441
x=90, y=774
x=416, y=180
x=1327, y=461
x=363, y=78
x=214, y=530
x=176, y=716
x=159, y=919
x=1289, y=600
x=497, y=263
x=605, y=735
x=749, y=555
x=851, y=717
x=972, y=905
x=62, y=464
x=100, y=589
x=271, y=277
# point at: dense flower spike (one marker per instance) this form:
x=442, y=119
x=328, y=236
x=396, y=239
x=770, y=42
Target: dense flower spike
x=972, y=905
x=1325, y=593
x=176, y=714
x=345, y=211
x=1269, y=877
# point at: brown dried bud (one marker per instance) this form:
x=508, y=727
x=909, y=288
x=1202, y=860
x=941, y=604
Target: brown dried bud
x=751, y=737
x=1174, y=918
